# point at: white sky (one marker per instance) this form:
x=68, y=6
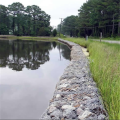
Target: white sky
x=55, y=8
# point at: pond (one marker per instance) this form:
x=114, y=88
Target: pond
x=29, y=72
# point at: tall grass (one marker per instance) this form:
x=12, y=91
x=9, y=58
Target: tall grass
x=105, y=68
x=10, y=37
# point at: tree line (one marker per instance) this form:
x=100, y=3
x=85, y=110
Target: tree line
x=28, y=21
x=94, y=17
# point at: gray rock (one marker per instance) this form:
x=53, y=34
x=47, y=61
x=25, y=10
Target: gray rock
x=99, y=110
x=92, y=117
x=64, y=107
x=69, y=114
x=62, y=86
x=57, y=114
x=51, y=109
x=58, y=96
x=101, y=117
x=79, y=111
x=85, y=115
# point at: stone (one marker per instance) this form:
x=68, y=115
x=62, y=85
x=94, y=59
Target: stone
x=69, y=114
x=84, y=115
x=79, y=111
x=71, y=96
x=63, y=81
x=58, y=96
x=99, y=110
x=77, y=105
x=57, y=114
x=80, y=76
x=92, y=101
x=63, y=86
x=101, y=117
x=51, y=109
x=93, y=117
x=68, y=107
x=86, y=98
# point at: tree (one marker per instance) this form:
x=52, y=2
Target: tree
x=69, y=26
x=20, y=20
x=54, y=32
x=4, y=20
x=16, y=10
x=94, y=16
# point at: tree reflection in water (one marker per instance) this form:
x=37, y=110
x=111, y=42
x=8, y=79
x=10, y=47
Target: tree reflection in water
x=21, y=54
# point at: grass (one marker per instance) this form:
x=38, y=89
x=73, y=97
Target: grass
x=112, y=38
x=105, y=69
x=28, y=38
x=107, y=38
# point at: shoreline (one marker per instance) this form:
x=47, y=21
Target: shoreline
x=76, y=95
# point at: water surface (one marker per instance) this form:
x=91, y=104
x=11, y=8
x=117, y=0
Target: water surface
x=29, y=72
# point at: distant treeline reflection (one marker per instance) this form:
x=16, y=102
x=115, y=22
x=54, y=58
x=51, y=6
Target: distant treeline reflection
x=28, y=54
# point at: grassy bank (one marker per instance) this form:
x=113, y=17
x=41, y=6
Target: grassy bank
x=107, y=38
x=27, y=38
x=105, y=68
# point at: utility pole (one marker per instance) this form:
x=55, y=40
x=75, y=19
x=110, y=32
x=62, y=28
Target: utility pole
x=100, y=36
x=60, y=26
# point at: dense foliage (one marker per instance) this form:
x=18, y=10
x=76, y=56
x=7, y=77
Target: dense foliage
x=94, y=16
x=54, y=32
x=19, y=20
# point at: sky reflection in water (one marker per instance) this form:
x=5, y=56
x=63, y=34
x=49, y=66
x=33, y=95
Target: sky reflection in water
x=29, y=72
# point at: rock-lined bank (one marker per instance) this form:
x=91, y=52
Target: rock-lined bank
x=76, y=95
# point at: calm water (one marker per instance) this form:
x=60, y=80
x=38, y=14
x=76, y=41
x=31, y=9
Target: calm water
x=29, y=72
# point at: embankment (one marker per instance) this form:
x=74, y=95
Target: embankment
x=76, y=95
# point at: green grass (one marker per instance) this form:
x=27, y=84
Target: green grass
x=105, y=68
x=37, y=38
x=107, y=38
x=112, y=38
x=29, y=38
x=61, y=36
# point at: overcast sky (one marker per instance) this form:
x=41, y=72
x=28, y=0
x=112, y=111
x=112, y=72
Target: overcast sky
x=55, y=8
